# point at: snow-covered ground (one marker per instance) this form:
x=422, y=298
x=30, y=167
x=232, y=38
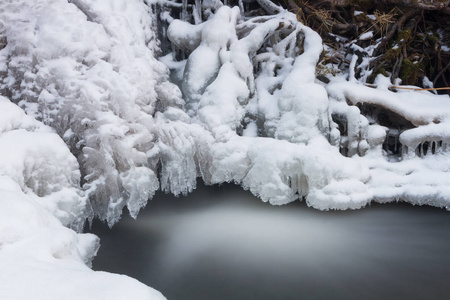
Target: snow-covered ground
x=92, y=122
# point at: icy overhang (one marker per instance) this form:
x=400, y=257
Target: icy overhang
x=420, y=108
x=431, y=132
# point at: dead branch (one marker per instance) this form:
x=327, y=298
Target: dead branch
x=440, y=73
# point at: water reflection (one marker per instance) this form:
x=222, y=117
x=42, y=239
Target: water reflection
x=222, y=243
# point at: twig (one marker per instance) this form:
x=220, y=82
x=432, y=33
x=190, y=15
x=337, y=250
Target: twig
x=393, y=29
x=321, y=16
x=418, y=90
x=410, y=88
x=397, y=67
x=440, y=73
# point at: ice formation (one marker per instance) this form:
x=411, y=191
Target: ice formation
x=232, y=98
x=40, y=257
x=87, y=69
x=284, y=135
x=241, y=103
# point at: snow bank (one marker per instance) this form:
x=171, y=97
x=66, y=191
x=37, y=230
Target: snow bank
x=40, y=258
x=38, y=161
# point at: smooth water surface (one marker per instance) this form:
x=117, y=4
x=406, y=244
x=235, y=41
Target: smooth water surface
x=223, y=243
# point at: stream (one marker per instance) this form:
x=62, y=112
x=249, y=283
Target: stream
x=221, y=242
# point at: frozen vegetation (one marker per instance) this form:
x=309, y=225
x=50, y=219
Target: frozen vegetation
x=105, y=102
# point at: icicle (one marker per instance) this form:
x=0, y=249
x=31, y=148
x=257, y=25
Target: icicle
x=351, y=76
x=395, y=143
x=197, y=12
x=293, y=183
x=438, y=147
x=304, y=186
x=404, y=152
x=184, y=12
x=285, y=179
x=353, y=118
x=418, y=150
x=292, y=45
x=241, y=7
x=411, y=151
x=299, y=185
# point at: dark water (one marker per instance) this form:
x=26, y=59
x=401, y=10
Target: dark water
x=222, y=243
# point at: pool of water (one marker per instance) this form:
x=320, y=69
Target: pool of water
x=223, y=243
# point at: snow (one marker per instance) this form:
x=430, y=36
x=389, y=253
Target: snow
x=303, y=104
x=420, y=177
x=300, y=116
x=366, y=36
x=186, y=36
x=86, y=65
x=40, y=257
x=437, y=133
x=427, y=83
x=246, y=84
x=94, y=123
x=420, y=108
